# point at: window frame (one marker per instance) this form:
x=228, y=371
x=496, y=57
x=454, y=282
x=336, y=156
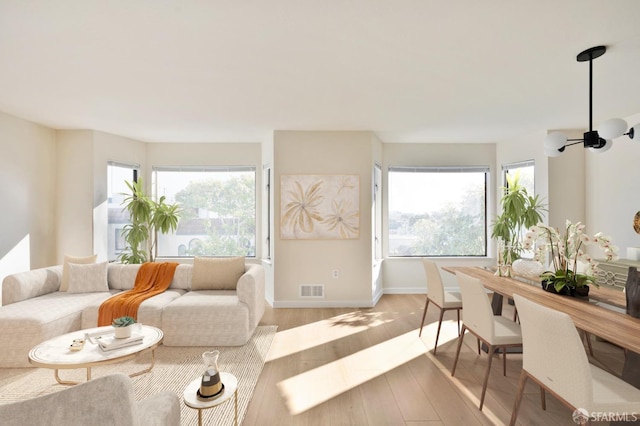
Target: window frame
x=506, y=168
x=443, y=169
x=117, y=227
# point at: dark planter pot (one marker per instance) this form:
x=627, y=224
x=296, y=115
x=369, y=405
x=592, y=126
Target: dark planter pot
x=551, y=289
x=582, y=291
x=566, y=291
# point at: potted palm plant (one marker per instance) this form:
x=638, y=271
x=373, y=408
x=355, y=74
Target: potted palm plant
x=148, y=218
x=520, y=211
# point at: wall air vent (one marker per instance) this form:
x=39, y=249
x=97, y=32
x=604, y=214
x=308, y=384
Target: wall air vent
x=312, y=290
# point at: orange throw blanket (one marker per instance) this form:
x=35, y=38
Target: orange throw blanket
x=152, y=278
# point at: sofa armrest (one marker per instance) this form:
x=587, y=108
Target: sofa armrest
x=159, y=410
x=250, y=290
x=25, y=285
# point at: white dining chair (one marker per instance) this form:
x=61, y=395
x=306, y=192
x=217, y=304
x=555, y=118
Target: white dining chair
x=495, y=331
x=554, y=357
x=445, y=300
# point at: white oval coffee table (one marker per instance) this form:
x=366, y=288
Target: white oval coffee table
x=191, y=399
x=56, y=353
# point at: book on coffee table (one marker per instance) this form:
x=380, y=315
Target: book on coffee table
x=109, y=343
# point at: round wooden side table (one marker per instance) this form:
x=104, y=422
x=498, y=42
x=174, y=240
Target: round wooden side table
x=192, y=400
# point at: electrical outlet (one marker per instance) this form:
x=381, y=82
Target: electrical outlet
x=335, y=273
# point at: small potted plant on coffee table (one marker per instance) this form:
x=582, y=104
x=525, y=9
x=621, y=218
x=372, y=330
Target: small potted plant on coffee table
x=122, y=326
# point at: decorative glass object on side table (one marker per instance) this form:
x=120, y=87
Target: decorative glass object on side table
x=212, y=389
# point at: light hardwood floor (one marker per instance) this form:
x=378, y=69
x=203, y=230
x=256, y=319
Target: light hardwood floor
x=339, y=366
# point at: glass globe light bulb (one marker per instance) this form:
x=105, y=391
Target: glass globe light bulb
x=612, y=128
x=555, y=140
x=608, y=144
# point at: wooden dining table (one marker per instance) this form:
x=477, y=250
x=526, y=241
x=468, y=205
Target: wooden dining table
x=595, y=315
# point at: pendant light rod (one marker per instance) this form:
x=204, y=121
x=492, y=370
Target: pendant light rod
x=591, y=138
x=589, y=55
x=590, y=94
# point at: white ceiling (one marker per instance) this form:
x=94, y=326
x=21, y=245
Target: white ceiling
x=410, y=70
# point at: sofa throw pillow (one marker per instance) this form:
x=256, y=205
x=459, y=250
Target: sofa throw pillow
x=212, y=273
x=88, y=277
x=64, y=284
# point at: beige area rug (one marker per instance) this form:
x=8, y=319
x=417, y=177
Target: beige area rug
x=174, y=369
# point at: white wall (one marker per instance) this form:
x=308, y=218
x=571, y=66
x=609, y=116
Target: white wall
x=74, y=205
x=303, y=261
x=613, y=190
x=28, y=194
x=567, y=188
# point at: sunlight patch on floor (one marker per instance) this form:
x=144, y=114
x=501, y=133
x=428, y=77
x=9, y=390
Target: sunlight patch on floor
x=298, y=339
x=469, y=345
x=448, y=332
x=311, y=388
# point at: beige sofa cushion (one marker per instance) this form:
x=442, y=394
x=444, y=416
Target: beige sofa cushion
x=64, y=284
x=88, y=278
x=212, y=273
x=122, y=276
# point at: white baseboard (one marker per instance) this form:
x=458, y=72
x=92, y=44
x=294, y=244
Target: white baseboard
x=413, y=290
x=324, y=304
x=404, y=290
x=351, y=303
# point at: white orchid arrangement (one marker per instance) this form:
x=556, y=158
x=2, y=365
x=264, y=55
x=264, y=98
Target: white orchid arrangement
x=566, y=251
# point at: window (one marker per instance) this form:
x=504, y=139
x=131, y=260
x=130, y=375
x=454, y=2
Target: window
x=438, y=211
x=117, y=174
x=267, y=198
x=377, y=212
x=218, y=210
x=526, y=174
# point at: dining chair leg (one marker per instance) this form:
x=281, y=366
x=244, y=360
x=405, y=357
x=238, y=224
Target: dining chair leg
x=455, y=361
x=486, y=375
x=504, y=360
x=516, y=404
x=424, y=315
x=543, y=399
x=458, y=312
x=587, y=337
x=478, y=344
x=435, y=347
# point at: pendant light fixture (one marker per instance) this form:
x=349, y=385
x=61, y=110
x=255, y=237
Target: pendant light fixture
x=596, y=140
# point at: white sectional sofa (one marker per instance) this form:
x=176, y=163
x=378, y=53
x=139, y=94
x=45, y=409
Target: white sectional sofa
x=34, y=310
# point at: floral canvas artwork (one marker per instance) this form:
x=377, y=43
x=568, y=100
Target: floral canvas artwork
x=320, y=207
